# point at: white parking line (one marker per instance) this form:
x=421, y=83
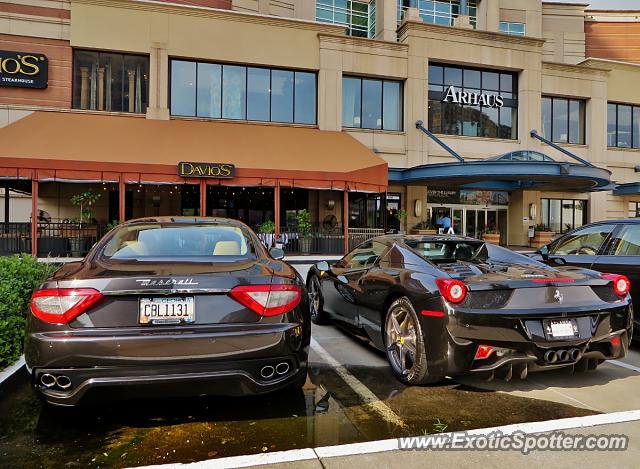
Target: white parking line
x=624, y=365
x=369, y=398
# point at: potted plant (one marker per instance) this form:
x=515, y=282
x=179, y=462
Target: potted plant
x=491, y=235
x=266, y=232
x=85, y=200
x=424, y=228
x=542, y=236
x=401, y=215
x=303, y=219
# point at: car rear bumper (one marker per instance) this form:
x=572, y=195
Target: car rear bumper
x=520, y=343
x=237, y=378
x=225, y=360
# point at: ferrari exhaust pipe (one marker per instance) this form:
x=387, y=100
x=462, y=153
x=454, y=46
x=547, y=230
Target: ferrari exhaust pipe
x=282, y=368
x=563, y=355
x=575, y=354
x=267, y=372
x=550, y=356
x=63, y=382
x=47, y=380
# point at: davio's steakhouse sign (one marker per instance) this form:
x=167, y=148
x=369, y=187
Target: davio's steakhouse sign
x=23, y=70
x=206, y=170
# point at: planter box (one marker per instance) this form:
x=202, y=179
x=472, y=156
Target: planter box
x=493, y=238
x=541, y=238
x=423, y=231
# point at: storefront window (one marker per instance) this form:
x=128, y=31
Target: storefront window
x=371, y=104
x=104, y=81
x=563, y=120
x=245, y=93
x=634, y=210
x=439, y=12
x=623, y=126
x=563, y=215
x=359, y=16
x=472, y=102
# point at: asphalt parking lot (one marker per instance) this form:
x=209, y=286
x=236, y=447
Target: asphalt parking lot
x=350, y=396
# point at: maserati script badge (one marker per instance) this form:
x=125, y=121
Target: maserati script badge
x=558, y=296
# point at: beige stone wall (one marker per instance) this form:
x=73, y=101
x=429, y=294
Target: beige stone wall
x=563, y=29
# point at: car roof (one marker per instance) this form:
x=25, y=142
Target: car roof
x=390, y=239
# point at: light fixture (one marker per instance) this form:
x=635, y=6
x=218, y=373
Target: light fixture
x=533, y=211
x=331, y=204
x=417, y=208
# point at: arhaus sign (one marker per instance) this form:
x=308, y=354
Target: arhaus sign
x=206, y=170
x=473, y=99
x=23, y=70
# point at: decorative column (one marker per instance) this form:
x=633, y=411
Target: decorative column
x=100, y=88
x=276, y=213
x=132, y=89
x=121, y=198
x=345, y=219
x=203, y=198
x=84, y=87
x=34, y=217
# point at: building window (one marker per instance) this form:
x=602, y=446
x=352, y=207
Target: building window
x=369, y=103
x=515, y=29
x=105, y=81
x=623, y=125
x=563, y=120
x=438, y=12
x=220, y=91
x=473, y=102
x=563, y=215
x=634, y=210
x=359, y=16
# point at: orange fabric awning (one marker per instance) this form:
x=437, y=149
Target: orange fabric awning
x=81, y=146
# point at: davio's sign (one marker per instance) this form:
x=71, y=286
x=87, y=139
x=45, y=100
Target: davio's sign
x=23, y=69
x=206, y=170
x=472, y=99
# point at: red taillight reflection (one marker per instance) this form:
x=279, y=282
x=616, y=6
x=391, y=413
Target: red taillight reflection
x=615, y=341
x=621, y=283
x=484, y=351
x=62, y=305
x=267, y=300
x=454, y=291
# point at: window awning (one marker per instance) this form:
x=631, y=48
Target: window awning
x=630, y=188
x=71, y=146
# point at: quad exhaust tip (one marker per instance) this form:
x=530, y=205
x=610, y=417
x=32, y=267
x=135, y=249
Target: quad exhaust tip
x=61, y=381
x=550, y=356
x=282, y=368
x=47, y=380
x=562, y=355
x=267, y=372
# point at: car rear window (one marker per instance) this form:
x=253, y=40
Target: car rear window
x=438, y=251
x=192, y=241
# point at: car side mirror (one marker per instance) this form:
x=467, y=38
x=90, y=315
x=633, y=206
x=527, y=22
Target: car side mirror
x=558, y=260
x=323, y=266
x=277, y=253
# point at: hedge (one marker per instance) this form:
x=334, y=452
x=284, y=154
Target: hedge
x=19, y=275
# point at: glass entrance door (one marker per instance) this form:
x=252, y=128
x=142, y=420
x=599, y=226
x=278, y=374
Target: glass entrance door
x=473, y=221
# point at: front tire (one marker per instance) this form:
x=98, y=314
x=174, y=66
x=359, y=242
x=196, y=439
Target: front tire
x=405, y=345
x=316, y=302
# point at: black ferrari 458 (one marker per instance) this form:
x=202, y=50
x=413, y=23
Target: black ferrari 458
x=442, y=306
x=172, y=307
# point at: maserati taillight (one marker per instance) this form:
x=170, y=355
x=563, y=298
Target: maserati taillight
x=267, y=300
x=62, y=305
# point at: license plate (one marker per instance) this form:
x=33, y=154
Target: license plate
x=558, y=328
x=170, y=310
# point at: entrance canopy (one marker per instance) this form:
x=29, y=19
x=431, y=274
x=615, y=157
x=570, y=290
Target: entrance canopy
x=60, y=146
x=631, y=188
x=516, y=170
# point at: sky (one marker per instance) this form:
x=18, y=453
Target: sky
x=608, y=4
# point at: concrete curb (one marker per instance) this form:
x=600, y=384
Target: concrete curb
x=11, y=370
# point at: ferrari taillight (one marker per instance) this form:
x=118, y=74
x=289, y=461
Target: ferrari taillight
x=454, y=291
x=621, y=283
x=62, y=305
x=267, y=300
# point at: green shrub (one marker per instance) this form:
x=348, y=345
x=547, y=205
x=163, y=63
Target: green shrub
x=19, y=275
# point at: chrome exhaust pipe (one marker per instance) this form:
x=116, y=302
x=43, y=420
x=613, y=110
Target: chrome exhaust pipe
x=63, y=382
x=282, y=368
x=575, y=354
x=563, y=355
x=47, y=380
x=550, y=357
x=267, y=372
